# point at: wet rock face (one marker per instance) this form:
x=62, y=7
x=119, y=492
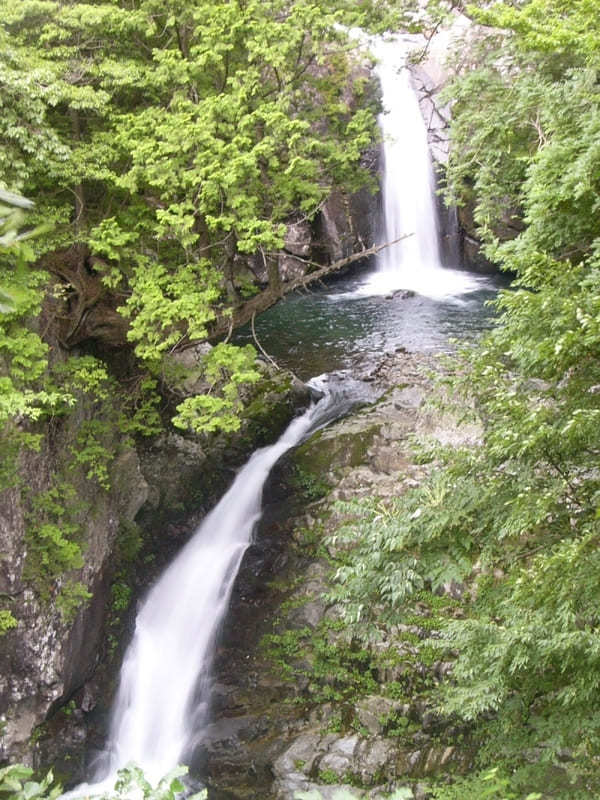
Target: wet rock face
x=346, y=225
x=46, y=657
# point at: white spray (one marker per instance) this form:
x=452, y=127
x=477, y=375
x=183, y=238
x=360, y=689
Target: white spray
x=408, y=192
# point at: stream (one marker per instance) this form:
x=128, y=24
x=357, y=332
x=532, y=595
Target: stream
x=406, y=299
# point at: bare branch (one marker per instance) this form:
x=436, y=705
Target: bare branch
x=269, y=296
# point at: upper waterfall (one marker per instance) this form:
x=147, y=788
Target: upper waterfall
x=408, y=188
x=408, y=184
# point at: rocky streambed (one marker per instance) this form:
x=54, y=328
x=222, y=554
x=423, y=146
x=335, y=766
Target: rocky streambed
x=299, y=705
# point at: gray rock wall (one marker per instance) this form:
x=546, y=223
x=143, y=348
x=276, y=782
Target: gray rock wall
x=46, y=657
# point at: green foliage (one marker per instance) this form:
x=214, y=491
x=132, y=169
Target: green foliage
x=7, y=621
x=54, y=548
x=522, y=513
x=528, y=652
x=84, y=375
x=73, y=594
x=164, y=309
x=328, y=776
x=51, y=536
x=57, y=552
x=515, y=520
x=24, y=395
x=337, y=671
x=488, y=785
x=163, y=145
x=11, y=220
x=128, y=546
x=403, y=793
x=141, y=416
x=228, y=369
x=311, y=486
x=378, y=548
x=129, y=542
x=91, y=453
x=120, y=596
x=528, y=145
x=131, y=782
x=16, y=784
x=23, y=355
x=166, y=147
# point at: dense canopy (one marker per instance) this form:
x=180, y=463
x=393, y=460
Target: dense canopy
x=166, y=146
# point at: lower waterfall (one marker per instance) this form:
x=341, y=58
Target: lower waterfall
x=162, y=699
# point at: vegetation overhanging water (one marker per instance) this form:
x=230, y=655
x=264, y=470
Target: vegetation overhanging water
x=109, y=147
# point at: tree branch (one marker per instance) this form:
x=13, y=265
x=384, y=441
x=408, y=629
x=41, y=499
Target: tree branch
x=268, y=297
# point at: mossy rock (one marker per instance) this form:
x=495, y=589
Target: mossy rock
x=269, y=411
x=325, y=452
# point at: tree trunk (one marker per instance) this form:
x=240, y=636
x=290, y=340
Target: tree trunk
x=79, y=219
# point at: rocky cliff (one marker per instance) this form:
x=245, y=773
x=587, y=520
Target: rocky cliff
x=461, y=244
x=54, y=647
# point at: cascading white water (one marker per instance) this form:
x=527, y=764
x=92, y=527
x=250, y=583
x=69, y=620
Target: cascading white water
x=408, y=179
x=408, y=192
x=159, y=709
